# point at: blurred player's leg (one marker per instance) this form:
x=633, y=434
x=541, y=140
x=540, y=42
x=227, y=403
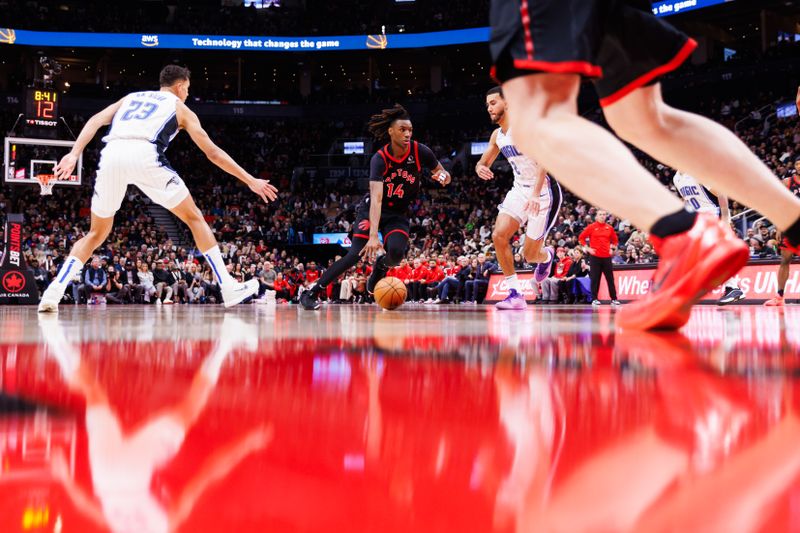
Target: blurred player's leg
x=546, y=125
x=707, y=151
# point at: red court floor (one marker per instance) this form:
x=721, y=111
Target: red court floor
x=437, y=418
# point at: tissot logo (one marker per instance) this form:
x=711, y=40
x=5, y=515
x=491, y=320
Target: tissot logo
x=149, y=40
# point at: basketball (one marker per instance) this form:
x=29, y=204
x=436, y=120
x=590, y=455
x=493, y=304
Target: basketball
x=390, y=293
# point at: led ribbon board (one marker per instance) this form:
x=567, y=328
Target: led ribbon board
x=243, y=42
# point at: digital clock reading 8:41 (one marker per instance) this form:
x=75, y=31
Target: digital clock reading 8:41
x=45, y=104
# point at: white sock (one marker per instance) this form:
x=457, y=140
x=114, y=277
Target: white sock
x=68, y=269
x=513, y=283
x=730, y=284
x=214, y=258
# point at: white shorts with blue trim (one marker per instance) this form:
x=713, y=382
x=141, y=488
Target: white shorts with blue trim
x=133, y=162
x=516, y=205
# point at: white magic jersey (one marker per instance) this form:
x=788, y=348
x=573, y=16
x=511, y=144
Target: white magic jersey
x=697, y=198
x=525, y=168
x=146, y=116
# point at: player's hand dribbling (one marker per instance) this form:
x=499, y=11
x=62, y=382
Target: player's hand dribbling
x=484, y=173
x=64, y=168
x=264, y=189
x=371, y=249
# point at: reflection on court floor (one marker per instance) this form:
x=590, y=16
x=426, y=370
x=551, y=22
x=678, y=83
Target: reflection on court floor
x=423, y=419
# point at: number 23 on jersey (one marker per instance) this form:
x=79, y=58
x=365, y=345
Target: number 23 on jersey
x=139, y=110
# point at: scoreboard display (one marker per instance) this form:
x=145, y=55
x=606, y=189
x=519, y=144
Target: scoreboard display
x=41, y=107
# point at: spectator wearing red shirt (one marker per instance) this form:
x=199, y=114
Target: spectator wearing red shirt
x=418, y=278
x=282, y=287
x=312, y=274
x=435, y=275
x=554, y=286
x=597, y=239
x=402, y=272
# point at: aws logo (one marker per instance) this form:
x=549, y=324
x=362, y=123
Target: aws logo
x=150, y=40
x=7, y=36
x=379, y=42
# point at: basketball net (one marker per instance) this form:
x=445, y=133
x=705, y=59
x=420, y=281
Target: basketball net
x=46, y=183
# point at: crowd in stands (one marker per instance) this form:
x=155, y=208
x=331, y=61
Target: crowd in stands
x=230, y=17
x=451, y=228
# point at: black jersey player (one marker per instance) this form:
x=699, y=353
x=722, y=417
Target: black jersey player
x=395, y=179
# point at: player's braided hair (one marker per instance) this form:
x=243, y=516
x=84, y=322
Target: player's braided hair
x=379, y=124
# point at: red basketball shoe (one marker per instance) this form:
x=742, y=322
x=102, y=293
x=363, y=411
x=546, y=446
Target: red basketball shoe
x=690, y=264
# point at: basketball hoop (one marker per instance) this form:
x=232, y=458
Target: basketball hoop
x=46, y=183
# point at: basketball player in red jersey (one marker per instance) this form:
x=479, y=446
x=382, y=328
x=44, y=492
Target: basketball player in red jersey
x=787, y=253
x=542, y=49
x=395, y=179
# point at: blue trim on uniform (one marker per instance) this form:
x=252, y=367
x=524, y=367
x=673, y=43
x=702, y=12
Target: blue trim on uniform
x=214, y=268
x=66, y=272
x=555, y=206
x=163, y=137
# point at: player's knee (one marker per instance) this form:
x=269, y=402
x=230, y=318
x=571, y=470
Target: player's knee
x=633, y=127
x=500, y=237
x=193, y=216
x=97, y=236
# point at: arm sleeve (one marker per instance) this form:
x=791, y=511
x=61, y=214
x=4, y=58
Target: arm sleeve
x=614, y=237
x=427, y=158
x=377, y=168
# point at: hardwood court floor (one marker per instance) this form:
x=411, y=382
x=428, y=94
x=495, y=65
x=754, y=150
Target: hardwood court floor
x=428, y=418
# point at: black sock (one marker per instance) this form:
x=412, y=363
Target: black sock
x=780, y=293
x=793, y=233
x=674, y=224
x=316, y=289
x=380, y=267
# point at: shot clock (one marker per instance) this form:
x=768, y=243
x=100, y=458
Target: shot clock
x=41, y=107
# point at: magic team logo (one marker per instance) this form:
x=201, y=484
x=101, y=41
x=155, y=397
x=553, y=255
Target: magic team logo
x=13, y=281
x=150, y=40
x=7, y=36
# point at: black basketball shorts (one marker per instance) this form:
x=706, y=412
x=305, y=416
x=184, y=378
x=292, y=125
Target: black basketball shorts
x=620, y=44
x=390, y=223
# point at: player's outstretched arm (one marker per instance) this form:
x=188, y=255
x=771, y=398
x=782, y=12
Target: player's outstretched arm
x=67, y=164
x=487, y=159
x=188, y=121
